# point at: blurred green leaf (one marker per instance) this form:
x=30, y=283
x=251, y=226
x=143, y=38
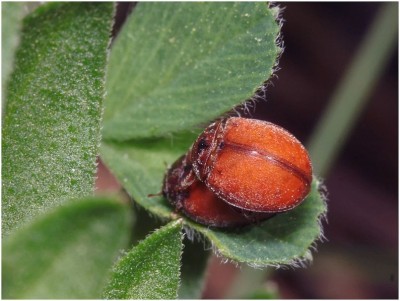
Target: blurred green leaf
x=11, y=16
x=247, y=281
x=194, y=264
x=51, y=128
x=264, y=294
x=175, y=65
x=66, y=253
x=151, y=269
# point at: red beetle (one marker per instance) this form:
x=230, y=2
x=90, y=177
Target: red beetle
x=251, y=164
x=192, y=197
x=239, y=171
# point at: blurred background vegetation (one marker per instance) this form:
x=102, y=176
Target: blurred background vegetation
x=360, y=257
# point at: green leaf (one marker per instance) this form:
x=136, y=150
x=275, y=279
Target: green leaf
x=51, y=127
x=151, y=269
x=66, y=253
x=176, y=65
x=194, y=264
x=11, y=15
x=284, y=239
x=140, y=166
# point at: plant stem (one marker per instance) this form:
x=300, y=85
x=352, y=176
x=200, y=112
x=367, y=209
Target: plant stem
x=352, y=93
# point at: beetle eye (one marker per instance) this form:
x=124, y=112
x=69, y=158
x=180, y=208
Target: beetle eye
x=202, y=145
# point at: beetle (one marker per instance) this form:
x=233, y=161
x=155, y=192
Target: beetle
x=251, y=164
x=193, y=198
